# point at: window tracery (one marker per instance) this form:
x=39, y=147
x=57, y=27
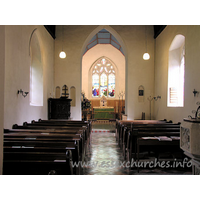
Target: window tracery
x=103, y=79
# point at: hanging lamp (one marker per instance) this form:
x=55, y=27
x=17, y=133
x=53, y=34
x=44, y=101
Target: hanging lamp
x=146, y=55
x=62, y=53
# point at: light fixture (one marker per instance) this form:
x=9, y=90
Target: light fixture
x=62, y=53
x=22, y=92
x=146, y=55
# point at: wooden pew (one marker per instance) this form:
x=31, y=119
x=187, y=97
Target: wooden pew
x=88, y=123
x=138, y=125
x=29, y=158
x=59, y=129
x=76, y=123
x=59, y=125
x=68, y=134
x=41, y=163
x=52, y=133
x=135, y=141
x=50, y=142
x=122, y=124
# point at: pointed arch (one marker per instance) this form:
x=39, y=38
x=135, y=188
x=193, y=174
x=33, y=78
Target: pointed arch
x=112, y=31
x=121, y=42
x=102, y=81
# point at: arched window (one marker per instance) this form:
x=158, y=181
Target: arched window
x=36, y=72
x=103, y=79
x=176, y=72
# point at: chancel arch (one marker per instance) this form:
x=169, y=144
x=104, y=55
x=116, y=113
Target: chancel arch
x=114, y=51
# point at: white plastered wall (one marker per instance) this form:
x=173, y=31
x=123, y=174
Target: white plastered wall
x=68, y=70
x=192, y=81
x=138, y=72
x=17, y=109
x=2, y=71
x=94, y=54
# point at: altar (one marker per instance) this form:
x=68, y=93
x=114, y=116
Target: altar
x=103, y=113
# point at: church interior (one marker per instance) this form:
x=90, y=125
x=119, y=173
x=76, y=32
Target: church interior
x=101, y=91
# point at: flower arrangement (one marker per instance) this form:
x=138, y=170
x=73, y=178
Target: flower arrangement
x=85, y=103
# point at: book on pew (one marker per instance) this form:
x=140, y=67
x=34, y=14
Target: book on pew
x=175, y=137
x=149, y=138
x=163, y=138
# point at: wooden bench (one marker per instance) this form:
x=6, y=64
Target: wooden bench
x=137, y=126
x=137, y=134
x=47, y=137
x=36, y=163
x=59, y=130
x=76, y=123
x=86, y=123
x=52, y=134
x=127, y=124
x=58, y=125
x=28, y=157
x=36, y=141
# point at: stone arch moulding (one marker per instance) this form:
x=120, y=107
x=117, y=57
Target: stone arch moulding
x=120, y=40
x=112, y=31
x=30, y=41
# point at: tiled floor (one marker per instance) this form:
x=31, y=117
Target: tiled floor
x=105, y=157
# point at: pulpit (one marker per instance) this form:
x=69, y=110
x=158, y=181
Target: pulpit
x=59, y=108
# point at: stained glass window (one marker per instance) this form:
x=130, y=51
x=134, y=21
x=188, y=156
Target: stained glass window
x=95, y=85
x=111, y=85
x=103, y=79
x=103, y=86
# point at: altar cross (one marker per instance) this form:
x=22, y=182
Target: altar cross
x=103, y=101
